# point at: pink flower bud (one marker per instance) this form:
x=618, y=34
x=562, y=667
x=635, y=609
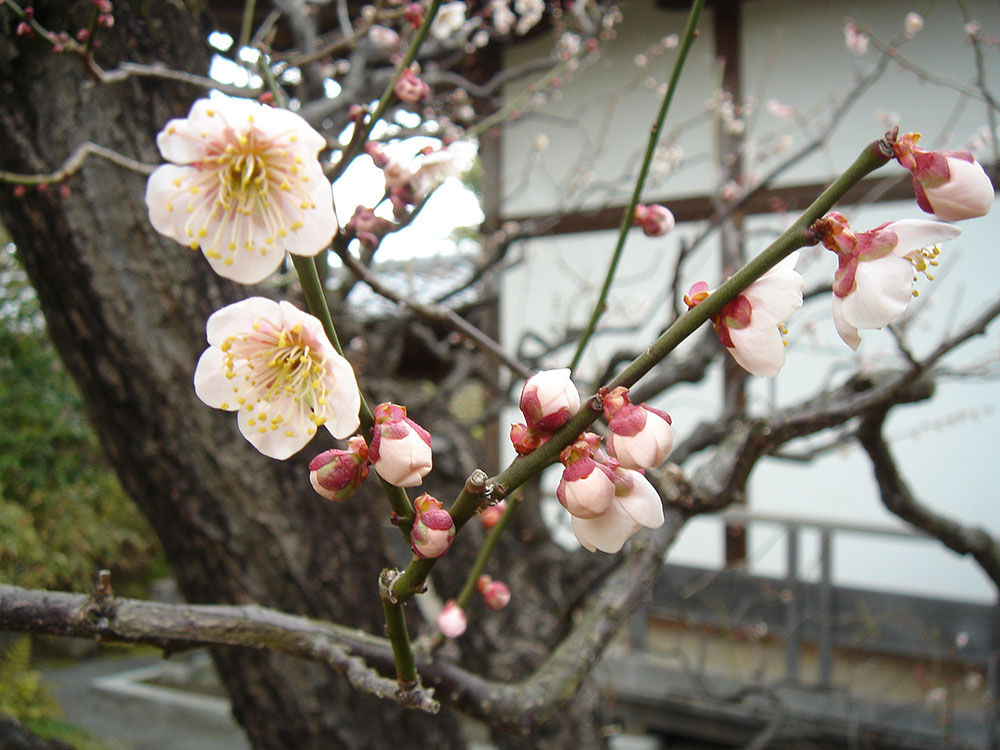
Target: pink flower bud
x=374, y=150
x=549, y=399
x=490, y=516
x=433, y=528
x=950, y=184
x=336, y=474
x=410, y=89
x=414, y=15
x=586, y=488
x=524, y=440
x=641, y=436
x=400, y=449
x=451, y=622
x=23, y=29
x=655, y=220
x=496, y=594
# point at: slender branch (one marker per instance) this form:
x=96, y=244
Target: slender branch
x=687, y=40
x=395, y=630
x=435, y=314
x=485, y=552
x=75, y=162
x=312, y=288
x=899, y=500
x=246, y=27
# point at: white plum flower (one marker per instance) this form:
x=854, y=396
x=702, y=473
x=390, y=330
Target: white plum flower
x=244, y=186
x=450, y=18
x=873, y=283
x=435, y=167
x=751, y=325
x=273, y=364
x=635, y=504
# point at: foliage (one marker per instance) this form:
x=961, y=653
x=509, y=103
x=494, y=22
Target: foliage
x=22, y=694
x=63, y=514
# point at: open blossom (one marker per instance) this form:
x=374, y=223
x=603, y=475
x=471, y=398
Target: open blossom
x=336, y=474
x=950, y=184
x=401, y=449
x=435, y=167
x=751, y=325
x=273, y=364
x=641, y=436
x=244, y=186
x=873, y=283
x=655, y=220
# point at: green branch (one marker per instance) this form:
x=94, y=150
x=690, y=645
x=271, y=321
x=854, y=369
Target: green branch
x=690, y=31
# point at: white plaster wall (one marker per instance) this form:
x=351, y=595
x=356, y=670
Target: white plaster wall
x=947, y=449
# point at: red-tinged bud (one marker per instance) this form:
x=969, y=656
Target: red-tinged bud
x=950, y=184
x=524, y=440
x=106, y=20
x=24, y=29
x=410, y=89
x=496, y=594
x=401, y=449
x=65, y=190
x=266, y=97
x=337, y=474
x=548, y=400
x=482, y=582
x=82, y=34
x=490, y=516
x=29, y=12
x=655, y=220
x=414, y=15
x=451, y=622
x=19, y=191
x=641, y=436
x=433, y=528
x=355, y=112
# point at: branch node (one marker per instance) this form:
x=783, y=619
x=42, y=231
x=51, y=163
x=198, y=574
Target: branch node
x=477, y=482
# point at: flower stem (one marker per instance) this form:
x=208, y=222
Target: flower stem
x=312, y=288
x=690, y=31
x=395, y=630
x=486, y=552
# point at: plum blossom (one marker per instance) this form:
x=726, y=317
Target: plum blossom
x=855, y=39
x=548, y=400
x=751, y=326
x=336, y=474
x=607, y=503
x=641, y=436
x=449, y=19
x=873, y=283
x=409, y=88
x=431, y=169
x=950, y=184
x=244, y=186
x=401, y=449
x=273, y=364
x=912, y=24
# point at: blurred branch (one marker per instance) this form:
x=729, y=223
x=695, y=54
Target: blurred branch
x=899, y=500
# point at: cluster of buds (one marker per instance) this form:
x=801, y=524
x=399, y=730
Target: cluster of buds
x=548, y=400
x=607, y=502
x=496, y=594
x=336, y=474
x=655, y=220
x=433, y=528
x=400, y=449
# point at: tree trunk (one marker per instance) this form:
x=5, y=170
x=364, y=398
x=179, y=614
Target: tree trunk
x=127, y=309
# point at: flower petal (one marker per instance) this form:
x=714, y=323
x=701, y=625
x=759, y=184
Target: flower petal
x=239, y=318
x=643, y=503
x=914, y=234
x=778, y=291
x=968, y=193
x=758, y=348
x=883, y=289
x=847, y=332
x=272, y=442
x=210, y=382
x=607, y=532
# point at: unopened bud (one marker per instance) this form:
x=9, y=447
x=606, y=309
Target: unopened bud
x=451, y=621
x=400, y=449
x=336, y=474
x=490, y=516
x=496, y=594
x=433, y=528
